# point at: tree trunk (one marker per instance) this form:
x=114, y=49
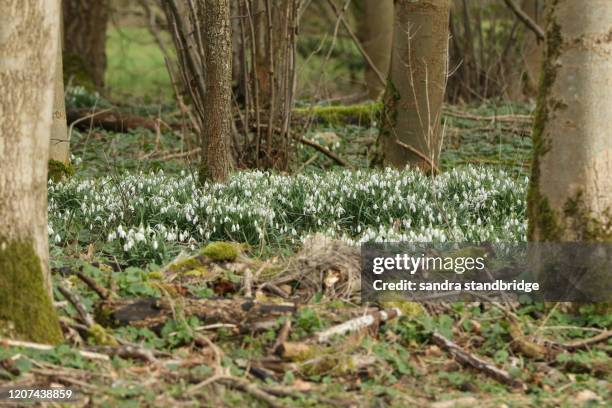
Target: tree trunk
x=216, y=161
x=533, y=49
x=85, y=23
x=59, y=147
x=570, y=197
x=377, y=41
x=28, y=46
x=415, y=92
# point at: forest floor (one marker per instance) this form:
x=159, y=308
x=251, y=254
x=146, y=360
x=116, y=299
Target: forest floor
x=158, y=312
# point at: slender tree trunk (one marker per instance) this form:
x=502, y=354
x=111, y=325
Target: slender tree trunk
x=28, y=46
x=59, y=147
x=415, y=92
x=570, y=197
x=85, y=23
x=216, y=136
x=377, y=41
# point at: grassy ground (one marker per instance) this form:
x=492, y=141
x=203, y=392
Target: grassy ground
x=136, y=67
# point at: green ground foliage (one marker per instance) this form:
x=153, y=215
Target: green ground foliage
x=132, y=222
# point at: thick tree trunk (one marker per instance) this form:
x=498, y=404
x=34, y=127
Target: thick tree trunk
x=216, y=161
x=28, y=45
x=85, y=23
x=415, y=91
x=377, y=41
x=570, y=197
x=59, y=147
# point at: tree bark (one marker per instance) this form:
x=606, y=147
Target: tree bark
x=533, y=49
x=570, y=197
x=377, y=41
x=29, y=37
x=415, y=92
x=59, y=147
x=85, y=23
x=216, y=161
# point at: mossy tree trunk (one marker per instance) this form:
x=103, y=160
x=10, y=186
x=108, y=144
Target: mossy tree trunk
x=415, y=90
x=29, y=41
x=85, y=23
x=377, y=37
x=570, y=197
x=216, y=136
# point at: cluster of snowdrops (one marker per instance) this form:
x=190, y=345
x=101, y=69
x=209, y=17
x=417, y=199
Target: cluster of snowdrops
x=153, y=216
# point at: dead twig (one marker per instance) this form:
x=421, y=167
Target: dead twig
x=78, y=305
x=581, y=344
x=357, y=324
x=103, y=293
x=471, y=360
x=46, y=347
x=283, y=334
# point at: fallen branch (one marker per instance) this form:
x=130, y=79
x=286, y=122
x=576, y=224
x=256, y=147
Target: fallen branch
x=253, y=389
x=357, y=324
x=581, y=344
x=128, y=351
x=465, y=358
x=78, y=305
x=283, y=334
x=495, y=118
x=244, y=385
x=46, y=347
x=108, y=120
x=154, y=313
x=103, y=293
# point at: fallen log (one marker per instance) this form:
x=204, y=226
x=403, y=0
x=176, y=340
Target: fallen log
x=120, y=122
x=154, y=313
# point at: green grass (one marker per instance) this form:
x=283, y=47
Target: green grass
x=136, y=68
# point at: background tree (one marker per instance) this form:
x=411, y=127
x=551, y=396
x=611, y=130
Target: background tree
x=29, y=40
x=533, y=47
x=570, y=197
x=85, y=24
x=216, y=137
x=414, y=95
x=377, y=39
x=59, y=148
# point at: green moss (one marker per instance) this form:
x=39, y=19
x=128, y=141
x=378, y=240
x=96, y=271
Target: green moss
x=59, y=170
x=184, y=264
x=586, y=226
x=543, y=220
x=155, y=275
x=196, y=273
x=362, y=114
x=388, y=120
x=220, y=251
x=100, y=337
x=76, y=72
x=25, y=305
